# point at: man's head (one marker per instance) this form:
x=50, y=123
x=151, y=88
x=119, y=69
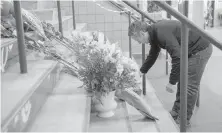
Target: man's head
x=138, y=31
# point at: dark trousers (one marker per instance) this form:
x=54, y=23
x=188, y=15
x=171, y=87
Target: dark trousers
x=196, y=66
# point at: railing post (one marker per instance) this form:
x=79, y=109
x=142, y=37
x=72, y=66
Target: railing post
x=184, y=71
x=143, y=60
x=20, y=37
x=59, y=17
x=73, y=14
x=130, y=43
x=167, y=64
x=198, y=99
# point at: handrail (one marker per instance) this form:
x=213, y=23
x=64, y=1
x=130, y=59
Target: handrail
x=116, y=5
x=138, y=10
x=182, y=18
x=73, y=14
x=189, y=23
x=59, y=17
x=20, y=38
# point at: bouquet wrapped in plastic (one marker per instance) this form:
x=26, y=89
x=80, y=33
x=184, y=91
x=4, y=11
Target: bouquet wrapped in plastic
x=137, y=102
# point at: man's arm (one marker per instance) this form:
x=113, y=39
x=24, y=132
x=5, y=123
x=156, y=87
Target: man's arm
x=151, y=58
x=173, y=48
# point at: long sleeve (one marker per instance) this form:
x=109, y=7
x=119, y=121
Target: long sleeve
x=173, y=48
x=151, y=58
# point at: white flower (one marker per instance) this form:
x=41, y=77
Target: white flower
x=119, y=68
x=109, y=58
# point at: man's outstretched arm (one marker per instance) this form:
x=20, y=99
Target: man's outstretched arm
x=173, y=48
x=151, y=58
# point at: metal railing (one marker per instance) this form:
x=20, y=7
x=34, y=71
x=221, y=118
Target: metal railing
x=59, y=17
x=20, y=31
x=20, y=34
x=186, y=23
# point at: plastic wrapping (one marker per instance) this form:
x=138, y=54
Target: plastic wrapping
x=137, y=102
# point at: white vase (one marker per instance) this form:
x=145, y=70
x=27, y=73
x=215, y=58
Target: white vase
x=106, y=105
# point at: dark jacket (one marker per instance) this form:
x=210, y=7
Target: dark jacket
x=166, y=34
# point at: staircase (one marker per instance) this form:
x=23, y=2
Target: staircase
x=48, y=100
x=31, y=97
x=67, y=108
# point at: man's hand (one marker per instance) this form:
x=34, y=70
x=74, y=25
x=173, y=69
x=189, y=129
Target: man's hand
x=141, y=74
x=169, y=88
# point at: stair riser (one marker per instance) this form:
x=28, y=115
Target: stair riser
x=31, y=104
x=66, y=25
x=50, y=14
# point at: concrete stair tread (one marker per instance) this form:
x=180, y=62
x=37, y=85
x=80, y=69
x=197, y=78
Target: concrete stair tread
x=47, y=14
x=79, y=27
x=66, y=110
x=17, y=87
x=139, y=122
x=128, y=119
x=159, y=111
x=117, y=123
x=64, y=18
x=7, y=41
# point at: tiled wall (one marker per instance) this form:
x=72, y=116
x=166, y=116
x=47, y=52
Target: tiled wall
x=112, y=24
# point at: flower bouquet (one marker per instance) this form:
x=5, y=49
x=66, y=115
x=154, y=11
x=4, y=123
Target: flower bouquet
x=103, y=66
x=103, y=69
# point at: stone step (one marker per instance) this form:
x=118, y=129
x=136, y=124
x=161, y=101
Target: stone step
x=79, y=27
x=24, y=94
x=165, y=122
x=67, y=24
x=67, y=109
x=129, y=119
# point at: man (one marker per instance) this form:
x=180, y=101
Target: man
x=166, y=34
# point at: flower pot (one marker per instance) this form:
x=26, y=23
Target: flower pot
x=105, y=105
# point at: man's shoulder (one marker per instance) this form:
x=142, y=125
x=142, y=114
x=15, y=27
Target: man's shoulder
x=168, y=22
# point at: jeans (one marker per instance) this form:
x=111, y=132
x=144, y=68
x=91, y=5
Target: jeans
x=196, y=66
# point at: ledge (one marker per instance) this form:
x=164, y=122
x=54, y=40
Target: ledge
x=66, y=110
x=17, y=89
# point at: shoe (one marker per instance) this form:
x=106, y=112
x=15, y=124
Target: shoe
x=174, y=114
x=178, y=122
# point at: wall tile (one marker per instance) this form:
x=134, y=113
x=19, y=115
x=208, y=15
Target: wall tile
x=100, y=18
x=91, y=19
x=91, y=9
x=116, y=17
x=108, y=18
x=108, y=26
x=117, y=26
x=124, y=26
x=91, y=27
x=82, y=10
x=118, y=36
x=65, y=3
x=100, y=27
